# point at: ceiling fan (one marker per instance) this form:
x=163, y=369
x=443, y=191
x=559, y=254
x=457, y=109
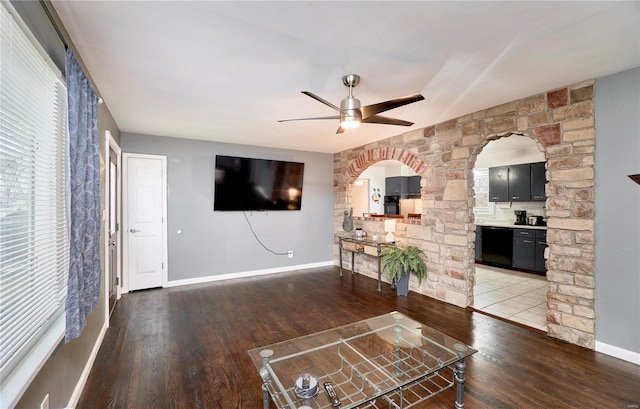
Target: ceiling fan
x=352, y=113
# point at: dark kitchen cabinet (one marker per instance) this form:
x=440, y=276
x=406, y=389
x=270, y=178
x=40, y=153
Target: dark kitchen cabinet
x=519, y=182
x=404, y=186
x=413, y=185
x=499, y=184
x=524, y=248
x=538, y=181
x=541, y=245
x=395, y=185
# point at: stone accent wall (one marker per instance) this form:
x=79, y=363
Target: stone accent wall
x=561, y=122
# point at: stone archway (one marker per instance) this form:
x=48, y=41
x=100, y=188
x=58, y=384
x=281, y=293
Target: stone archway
x=562, y=122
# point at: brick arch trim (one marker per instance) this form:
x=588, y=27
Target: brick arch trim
x=367, y=158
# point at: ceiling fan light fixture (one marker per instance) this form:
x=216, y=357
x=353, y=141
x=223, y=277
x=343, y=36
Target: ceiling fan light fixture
x=349, y=122
x=350, y=114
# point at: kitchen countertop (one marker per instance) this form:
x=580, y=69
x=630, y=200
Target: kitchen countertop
x=508, y=224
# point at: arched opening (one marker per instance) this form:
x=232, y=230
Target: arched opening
x=375, y=190
x=509, y=271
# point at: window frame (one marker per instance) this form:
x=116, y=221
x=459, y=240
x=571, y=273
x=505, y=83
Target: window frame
x=23, y=365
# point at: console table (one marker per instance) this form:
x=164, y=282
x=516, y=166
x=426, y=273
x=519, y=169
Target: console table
x=359, y=245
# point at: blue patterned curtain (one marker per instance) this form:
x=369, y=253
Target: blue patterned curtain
x=83, y=288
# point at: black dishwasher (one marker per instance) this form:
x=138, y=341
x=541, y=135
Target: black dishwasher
x=497, y=246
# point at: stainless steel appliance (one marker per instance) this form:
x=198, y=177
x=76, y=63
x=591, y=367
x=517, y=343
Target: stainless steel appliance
x=521, y=216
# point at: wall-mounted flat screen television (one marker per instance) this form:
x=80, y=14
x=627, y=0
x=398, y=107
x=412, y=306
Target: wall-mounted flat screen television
x=257, y=184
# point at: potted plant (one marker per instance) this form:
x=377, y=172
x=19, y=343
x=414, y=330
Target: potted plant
x=400, y=262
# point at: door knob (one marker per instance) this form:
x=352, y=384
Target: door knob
x=134, y=231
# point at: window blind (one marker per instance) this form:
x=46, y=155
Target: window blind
x=34, y=242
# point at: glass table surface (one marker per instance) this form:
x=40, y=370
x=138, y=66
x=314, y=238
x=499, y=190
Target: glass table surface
x=370, y=363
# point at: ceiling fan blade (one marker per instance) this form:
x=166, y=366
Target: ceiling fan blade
x=319, y=99
x=340, y=130
x=374, y=109
x=379, y=119
x=310, y=119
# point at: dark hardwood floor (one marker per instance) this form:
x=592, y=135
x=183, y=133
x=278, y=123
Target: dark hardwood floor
x=186, y=347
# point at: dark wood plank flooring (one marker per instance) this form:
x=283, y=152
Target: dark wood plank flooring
x=186, y=347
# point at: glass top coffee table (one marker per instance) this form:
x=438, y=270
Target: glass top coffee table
x=389, y=361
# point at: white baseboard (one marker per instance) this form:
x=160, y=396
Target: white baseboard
x=75, y=396
x=625, y=355
x=244, y=274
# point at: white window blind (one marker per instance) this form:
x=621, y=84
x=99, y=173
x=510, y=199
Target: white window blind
x=34, y=242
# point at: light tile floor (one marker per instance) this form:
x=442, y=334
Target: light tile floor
x=512, y=295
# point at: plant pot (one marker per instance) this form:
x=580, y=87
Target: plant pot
x=402, y=285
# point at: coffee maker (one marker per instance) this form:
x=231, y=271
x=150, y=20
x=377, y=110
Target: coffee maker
x=521, y=216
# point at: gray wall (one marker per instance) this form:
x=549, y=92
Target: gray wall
x=215, y=243
x=617, y=108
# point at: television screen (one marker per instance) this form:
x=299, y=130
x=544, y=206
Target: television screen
x=257, y=184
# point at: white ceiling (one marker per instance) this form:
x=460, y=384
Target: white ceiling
x=227, y=71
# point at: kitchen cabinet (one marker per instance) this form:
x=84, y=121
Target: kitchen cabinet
x=538, y=181
x=519, y=182
x=413, y=185
x=395, y=185
x=499, y=184
x=404, y=186
x=524, y=248
x=512, y=248
x=541, y=245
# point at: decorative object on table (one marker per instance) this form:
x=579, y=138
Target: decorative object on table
x=399, y=263
x=358, y=233
x=306, y=386
x=389, y=227
x=635, y=178
x=376, y=195
x=347, y=223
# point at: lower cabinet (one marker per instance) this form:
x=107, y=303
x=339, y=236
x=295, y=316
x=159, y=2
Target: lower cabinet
x=528, y=249
x=524, y=248
x=541, y=245
x=524, y=251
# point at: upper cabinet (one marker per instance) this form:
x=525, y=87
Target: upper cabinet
x=413, y=185
x=517, y=183
x=499, y=184
x=395, y=186
x=538, y=181
x=404, y=186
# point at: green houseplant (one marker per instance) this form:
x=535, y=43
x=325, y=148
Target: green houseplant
x=399, y=262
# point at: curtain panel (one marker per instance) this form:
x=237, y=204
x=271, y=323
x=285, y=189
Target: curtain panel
x=83, y=285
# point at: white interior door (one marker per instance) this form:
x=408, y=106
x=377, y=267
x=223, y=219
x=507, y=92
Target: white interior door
x=113, y=220
x=145, y=231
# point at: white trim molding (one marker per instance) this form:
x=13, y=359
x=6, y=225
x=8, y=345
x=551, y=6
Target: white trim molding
x=77, y=391
x=617, y=352
x=245, y=274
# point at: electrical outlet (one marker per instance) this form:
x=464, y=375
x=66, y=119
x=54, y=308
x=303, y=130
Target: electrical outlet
x=45, y=402
x=290, y=254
